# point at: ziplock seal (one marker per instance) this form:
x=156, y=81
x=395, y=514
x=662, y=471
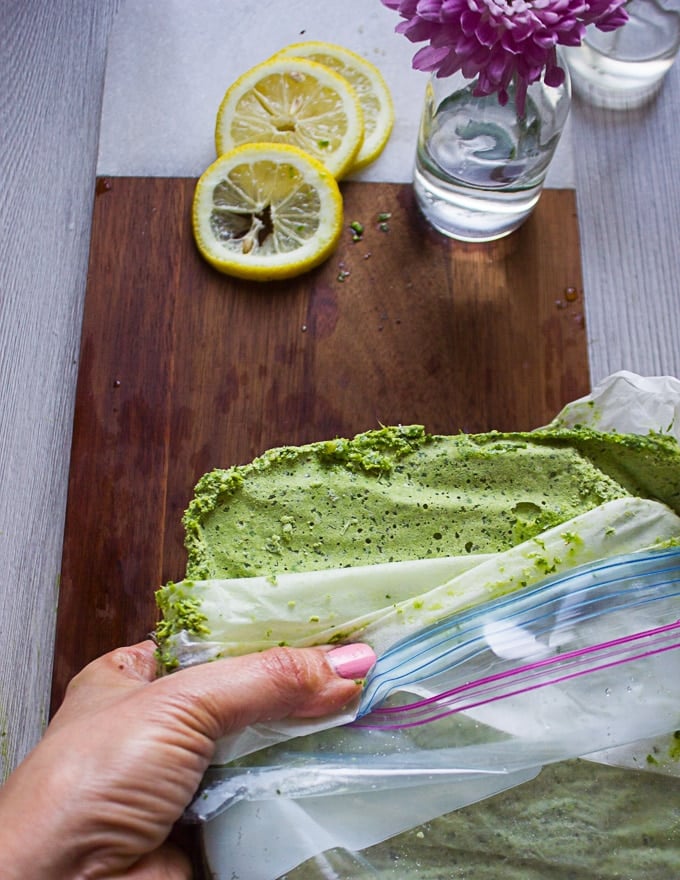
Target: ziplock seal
x=581, y=606
x=523, y=679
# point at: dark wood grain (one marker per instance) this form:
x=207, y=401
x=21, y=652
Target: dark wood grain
x=183, y=369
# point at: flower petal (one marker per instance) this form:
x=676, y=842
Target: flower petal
x=498, y=40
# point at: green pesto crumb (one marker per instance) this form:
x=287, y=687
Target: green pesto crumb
x=181, y=611
x=357, y=230
x=674, y=750
x=572, y=538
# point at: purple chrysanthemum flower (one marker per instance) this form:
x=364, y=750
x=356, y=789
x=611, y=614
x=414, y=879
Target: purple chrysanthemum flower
x=501, y=40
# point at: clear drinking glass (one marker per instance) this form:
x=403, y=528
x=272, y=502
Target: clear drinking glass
x=480, y=166
x=625, y=68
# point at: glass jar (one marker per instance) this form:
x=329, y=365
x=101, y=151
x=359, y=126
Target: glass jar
x=480, y=166
x=625, y=68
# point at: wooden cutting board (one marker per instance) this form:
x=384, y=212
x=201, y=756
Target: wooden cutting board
x=183, y=369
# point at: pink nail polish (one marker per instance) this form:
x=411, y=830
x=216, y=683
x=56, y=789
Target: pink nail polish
x=352, y=661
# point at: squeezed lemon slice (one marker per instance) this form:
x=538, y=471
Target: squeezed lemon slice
x=266, y=211
x=293, y=101
x=369, y=85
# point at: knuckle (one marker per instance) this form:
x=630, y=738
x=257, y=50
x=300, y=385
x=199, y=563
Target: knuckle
x=291, y=672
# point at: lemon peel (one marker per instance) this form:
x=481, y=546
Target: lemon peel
x=369, y=85
x=296, y=102
x=266, y=212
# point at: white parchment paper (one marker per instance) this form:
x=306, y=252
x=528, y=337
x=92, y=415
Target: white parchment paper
x=628, y=403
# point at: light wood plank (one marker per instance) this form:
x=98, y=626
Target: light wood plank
x=52, y=57
x=628, y=186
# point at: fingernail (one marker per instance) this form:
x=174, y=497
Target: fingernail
x=352, y=661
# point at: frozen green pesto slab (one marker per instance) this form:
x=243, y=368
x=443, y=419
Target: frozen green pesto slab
x=400, y=493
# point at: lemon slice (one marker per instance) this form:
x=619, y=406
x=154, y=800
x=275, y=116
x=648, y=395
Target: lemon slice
x=266, y=211
x=368, y=83
x=297, y=102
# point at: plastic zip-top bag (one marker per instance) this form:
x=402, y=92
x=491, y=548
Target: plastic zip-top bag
x=464, y=709
x=588, y=605
x=522, y=680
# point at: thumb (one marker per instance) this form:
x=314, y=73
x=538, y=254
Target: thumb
x=229, y=694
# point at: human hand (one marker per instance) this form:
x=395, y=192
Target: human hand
x=123, y=756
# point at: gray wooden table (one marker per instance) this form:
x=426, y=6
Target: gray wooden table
x=52, y=61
